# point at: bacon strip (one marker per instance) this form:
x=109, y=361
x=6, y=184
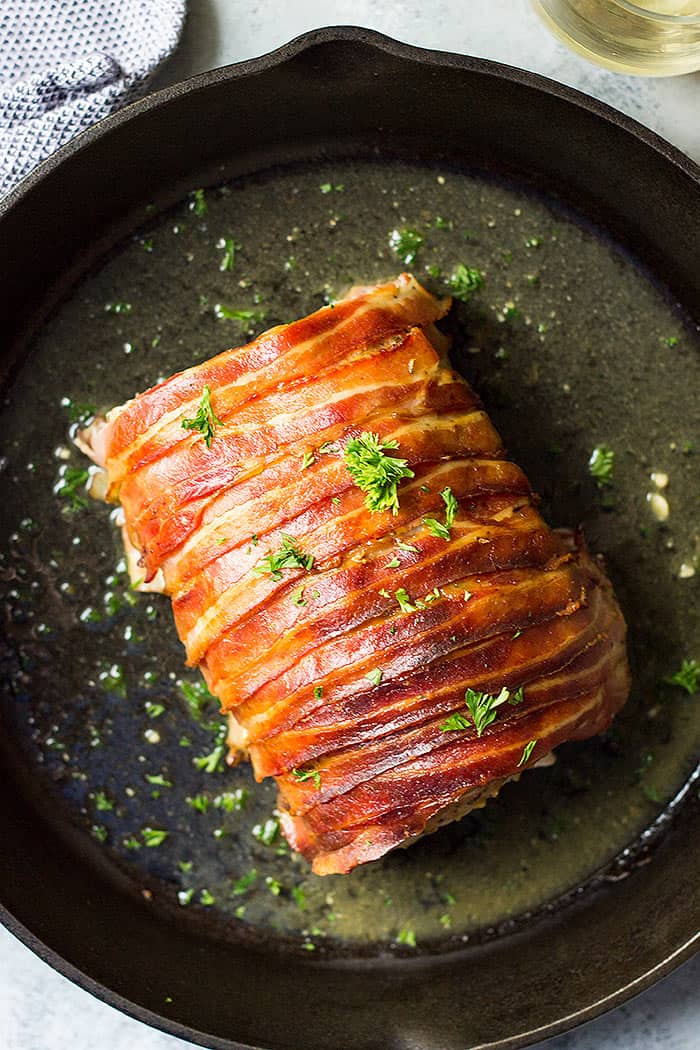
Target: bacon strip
x=342, y=678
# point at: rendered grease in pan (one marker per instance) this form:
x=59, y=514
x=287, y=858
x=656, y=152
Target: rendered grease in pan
x=570, y=346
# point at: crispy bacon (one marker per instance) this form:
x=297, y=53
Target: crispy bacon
x=341, y=688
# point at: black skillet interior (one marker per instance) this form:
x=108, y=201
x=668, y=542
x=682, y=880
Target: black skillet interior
x=336, y=94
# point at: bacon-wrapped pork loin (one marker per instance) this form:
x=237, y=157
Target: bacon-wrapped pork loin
x=360, y=573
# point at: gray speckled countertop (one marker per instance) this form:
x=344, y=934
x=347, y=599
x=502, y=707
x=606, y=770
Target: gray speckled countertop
x=38, y=1007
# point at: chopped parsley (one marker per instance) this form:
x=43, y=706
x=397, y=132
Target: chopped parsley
x=454, y=722
x=197, y=697
x=407, y=547
x=374, y=676
x=308, y=460
x=376, y=473
x=78, y=412
x=102, y=802
x=199, y=802
x=405, y=603
x=600, y=465
x=243, y=884
x=318, y=692
x=231, y=800
x=267, y=832
x=394, y=563
x=688, y=677
x=154, y=710
x=154, y=836
x=213, y=762
x=198, y=203
x=289, y=556
x=527, y=751
x=206, y=419
x=465, y=281
x=406, y=937
x=206, y=898
x=273, y=885
x=482, y=708
x=229, y=246
x=158, y=779
x=406, y=243
x=298, y=598
x=71, y=483
x=229, y=313
x=437, y=528
x=301, y=775
x=185, y=866
x=299, y=897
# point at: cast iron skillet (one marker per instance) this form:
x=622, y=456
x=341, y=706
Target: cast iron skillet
x=344, y=92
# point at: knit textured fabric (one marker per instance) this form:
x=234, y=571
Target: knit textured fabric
x=65, y=64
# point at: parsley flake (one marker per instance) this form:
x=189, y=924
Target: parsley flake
x=243, y=884
x=71, y=483
x=308, y=460
x=465, y=281
x=102, y=802
x=376, y=473
x=374, y=676
x=688, y=677
x=229, y=246
x=318, y=692
x=406, y=243
x=407, y=547
x=206, y=419
x=301, y=775
x=405, y=603
x=527, y=751
x=600, y=465
x=199, y=802
x=198, y=203
x=154, y=836
x=435, y=527
x=298, y=598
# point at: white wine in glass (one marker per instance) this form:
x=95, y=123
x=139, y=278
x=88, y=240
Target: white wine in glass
x=653, y=38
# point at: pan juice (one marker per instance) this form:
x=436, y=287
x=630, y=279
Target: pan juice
x=571, y=347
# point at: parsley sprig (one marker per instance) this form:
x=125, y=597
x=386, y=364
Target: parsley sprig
x=482, y=708
x=289, y=556
x=376, y=473
x=206, y=421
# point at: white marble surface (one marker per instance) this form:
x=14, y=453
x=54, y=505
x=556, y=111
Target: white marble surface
x=39, y=1008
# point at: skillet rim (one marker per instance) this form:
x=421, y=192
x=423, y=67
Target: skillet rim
x=239, y=71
